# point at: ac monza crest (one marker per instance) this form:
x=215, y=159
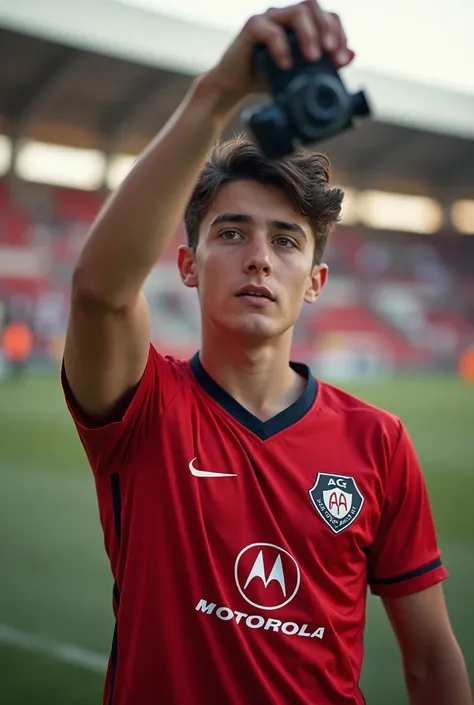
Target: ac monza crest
x=337, y=500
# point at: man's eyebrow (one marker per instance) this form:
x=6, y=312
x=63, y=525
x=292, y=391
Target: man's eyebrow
x=288, y=226
x=232, y=218
x=244, y=218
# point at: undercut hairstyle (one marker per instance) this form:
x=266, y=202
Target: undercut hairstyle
x=303, y=178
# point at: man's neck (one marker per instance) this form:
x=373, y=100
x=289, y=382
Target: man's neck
x=257, y=375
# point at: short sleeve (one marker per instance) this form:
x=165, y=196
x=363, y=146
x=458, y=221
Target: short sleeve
x=109, y=446
x=405, y=557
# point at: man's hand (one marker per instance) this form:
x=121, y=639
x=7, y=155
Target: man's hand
x=315, y=29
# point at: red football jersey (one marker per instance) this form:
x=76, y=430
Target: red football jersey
x=242, y=550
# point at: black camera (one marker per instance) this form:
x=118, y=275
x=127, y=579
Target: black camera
x=310, y=104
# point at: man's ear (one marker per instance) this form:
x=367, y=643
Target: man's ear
x=318, y=279
x=187, y=266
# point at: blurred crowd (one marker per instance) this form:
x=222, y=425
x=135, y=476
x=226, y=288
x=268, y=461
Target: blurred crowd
x=395, y=301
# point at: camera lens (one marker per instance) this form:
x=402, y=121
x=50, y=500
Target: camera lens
x=322, y=102
x=317, y=104
x=326, y=98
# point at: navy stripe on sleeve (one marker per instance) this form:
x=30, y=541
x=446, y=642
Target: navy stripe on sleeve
x=116, y=503
x=113, y=664
x=117, y=510
x=407, y=576
x=116, y=594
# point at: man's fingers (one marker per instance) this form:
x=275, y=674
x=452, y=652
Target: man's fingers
x=261, y=29
x=300, y=19
x=315, y=30
x=332, y=34
x=341, y=55
x=337, y=30
x=325, y=25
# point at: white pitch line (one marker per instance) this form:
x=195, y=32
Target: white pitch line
x=57, y=650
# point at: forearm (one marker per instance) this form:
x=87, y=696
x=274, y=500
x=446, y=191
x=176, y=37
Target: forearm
x=443, y=681
x=139, y=220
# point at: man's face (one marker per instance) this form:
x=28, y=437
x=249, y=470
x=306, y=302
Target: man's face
x=253, y=263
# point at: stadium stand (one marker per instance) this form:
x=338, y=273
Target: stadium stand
x=391, y=293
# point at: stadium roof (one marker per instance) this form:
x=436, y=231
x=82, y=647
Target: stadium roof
x=103, y=75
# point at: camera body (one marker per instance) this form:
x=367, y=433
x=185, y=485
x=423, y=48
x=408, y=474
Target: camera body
x=310, y=103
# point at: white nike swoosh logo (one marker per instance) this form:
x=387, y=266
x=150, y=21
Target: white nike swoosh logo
x=206, y=473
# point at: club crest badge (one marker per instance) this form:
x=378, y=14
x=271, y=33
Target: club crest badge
x=337, y=500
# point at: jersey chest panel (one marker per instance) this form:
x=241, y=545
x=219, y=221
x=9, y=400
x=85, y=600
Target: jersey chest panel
x=256, y=521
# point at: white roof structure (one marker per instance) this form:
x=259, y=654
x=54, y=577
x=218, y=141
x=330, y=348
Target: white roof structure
x=419, y=133
x=146, y=37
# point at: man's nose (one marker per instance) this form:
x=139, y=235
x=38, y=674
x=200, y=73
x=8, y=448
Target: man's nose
x=258, y=258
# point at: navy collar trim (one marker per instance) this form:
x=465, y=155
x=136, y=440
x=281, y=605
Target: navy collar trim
x=262, y=429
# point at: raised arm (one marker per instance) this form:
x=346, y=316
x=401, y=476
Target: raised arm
x=108, y=333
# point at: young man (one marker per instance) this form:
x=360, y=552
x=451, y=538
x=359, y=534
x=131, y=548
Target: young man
x=245, y=505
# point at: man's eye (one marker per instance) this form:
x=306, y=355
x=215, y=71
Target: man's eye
x=285, y=241
x=229, y=235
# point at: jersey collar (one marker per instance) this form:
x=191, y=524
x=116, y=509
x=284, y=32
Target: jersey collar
x=262, y=429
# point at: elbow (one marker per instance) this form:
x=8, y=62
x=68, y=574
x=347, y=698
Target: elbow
x=439, y=668
x=85, y=289
x=92, y=296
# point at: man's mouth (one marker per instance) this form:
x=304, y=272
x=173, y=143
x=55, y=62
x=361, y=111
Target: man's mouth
x=259, y=292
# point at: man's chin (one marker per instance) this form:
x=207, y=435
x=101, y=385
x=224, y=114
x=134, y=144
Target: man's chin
x=255, y=326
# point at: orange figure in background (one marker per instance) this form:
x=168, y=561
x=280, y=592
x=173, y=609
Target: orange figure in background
x=466, y=365
x=17, y=345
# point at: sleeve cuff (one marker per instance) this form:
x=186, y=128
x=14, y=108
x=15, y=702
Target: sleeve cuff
x=117, y=416
x=409, y=583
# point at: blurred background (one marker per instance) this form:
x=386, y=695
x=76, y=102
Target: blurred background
x=83, y=88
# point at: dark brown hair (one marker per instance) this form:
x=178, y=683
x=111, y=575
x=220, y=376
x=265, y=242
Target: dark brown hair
x=302, y=177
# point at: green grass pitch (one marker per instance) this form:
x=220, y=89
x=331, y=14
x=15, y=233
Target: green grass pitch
x=55, y=581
